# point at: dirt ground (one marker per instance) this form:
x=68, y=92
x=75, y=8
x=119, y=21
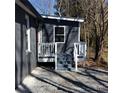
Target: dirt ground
x=44, y=80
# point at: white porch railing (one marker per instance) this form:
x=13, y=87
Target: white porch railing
x=80, y=49
x=79, y=52
x=46, y=49
x=49, y=50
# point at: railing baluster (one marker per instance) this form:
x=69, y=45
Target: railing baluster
x=78, y=49
x=43, y=49
x=54, y=48
x=50, y=49
x=46, y=49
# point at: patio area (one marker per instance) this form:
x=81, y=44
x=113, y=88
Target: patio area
x=44, y=80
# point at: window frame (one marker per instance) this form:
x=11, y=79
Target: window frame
x=54, y=33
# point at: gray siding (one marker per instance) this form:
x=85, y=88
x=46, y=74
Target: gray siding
x=47, y=33
x=24, y=62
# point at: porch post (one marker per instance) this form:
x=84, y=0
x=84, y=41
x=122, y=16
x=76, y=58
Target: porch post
x=76, y=60
x=75, y=56
x=55, y=56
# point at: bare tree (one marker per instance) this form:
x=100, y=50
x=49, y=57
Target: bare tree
x=95, y=27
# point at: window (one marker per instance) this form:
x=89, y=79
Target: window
x=59, y=34
x=27, y=33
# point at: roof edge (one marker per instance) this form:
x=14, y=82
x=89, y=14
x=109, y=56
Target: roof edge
x=28, y=7
x=63, y=18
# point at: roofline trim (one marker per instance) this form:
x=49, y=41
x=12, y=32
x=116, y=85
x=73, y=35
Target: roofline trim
x=19, y=3
x=28, y=7
x=63, y=18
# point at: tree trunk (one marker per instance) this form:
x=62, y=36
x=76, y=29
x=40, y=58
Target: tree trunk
x=96, y=49
x=99, y=50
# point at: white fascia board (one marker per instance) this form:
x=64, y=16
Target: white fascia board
x=63, y=18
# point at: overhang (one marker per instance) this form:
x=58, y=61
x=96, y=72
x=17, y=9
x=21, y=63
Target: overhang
x=63, y=18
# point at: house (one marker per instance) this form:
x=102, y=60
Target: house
x=26, y=24
x=59, y=42
x=45, y=39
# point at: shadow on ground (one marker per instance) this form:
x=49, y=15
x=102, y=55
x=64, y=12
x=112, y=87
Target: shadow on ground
x=81, y=86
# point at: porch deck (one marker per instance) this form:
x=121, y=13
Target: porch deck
x=44, y=80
